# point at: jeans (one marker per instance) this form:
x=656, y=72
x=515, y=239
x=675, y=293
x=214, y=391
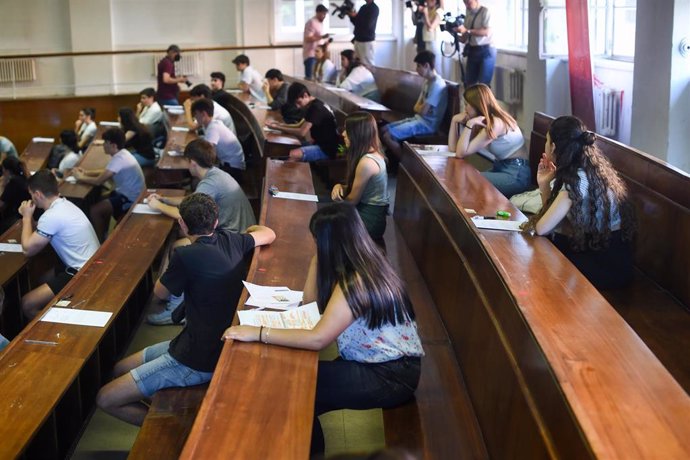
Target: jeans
x=409, y=127
x=342, y=384
x=480, y=65
x=510, y=176
x=172, y=101
x=309, y=64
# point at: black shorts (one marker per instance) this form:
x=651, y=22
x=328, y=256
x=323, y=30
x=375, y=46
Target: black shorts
x=120, y=204
x=60, y=278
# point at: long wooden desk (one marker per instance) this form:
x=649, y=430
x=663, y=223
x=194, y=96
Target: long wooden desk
x=171, y=170
x=49, y=391
x=260, y=402
x=81, y=193
x=14, y=279
x=36, y=154
x=551, y=369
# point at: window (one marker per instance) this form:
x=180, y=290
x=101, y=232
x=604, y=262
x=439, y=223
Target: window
x=611, y=29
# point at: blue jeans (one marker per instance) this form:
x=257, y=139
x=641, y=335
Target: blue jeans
x=160, y=370
x=510, y=176
x=409, y=127
x=313, y=153
x=173, y=101
x=480, y=65
x=309, y=64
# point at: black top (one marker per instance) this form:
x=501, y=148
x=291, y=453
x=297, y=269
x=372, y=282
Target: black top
x=15, y=192
x=142, y=143
x=210, y=273
x=280, y=98
x=222, y=97
x=324, y=129
x=365, y=22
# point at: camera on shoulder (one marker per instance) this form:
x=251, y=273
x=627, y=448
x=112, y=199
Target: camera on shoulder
x=344, y=9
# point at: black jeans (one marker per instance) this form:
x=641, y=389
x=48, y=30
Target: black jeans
x=342, y=384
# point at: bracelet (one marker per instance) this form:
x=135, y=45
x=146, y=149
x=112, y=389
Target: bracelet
x=261, y=331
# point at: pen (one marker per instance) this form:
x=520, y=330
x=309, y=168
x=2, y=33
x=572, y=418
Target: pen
x=40, y=342
x=78, y=303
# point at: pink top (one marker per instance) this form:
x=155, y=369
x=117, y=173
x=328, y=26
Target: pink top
x=311, y=28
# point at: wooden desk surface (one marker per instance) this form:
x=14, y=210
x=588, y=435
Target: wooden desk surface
x=623, y=400
x=33, y=378
x=11, y=262
x=36, y=154
x=344, y=100
x=262, y=115
x=94, y=158
x=260, y=402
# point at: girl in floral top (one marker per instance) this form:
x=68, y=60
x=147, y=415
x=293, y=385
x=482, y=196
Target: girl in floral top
x=367, y=312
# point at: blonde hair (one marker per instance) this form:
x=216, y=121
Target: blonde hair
x=481, y=98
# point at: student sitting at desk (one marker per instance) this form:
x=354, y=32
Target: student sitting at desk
x=13, y=190
x=275, y=89
x=66, y=154
x=587, y=210
x=356, y=78
x=250, y=78
x=64, y=226
x=365, y=309
x=318, y=128
x=235, y=214
x=138, y=137
x=367, y=178
x=149, y=112
x=498, y=133
x=125, y=171
x=85, y=127
x=325, y=71
x=219, y=112
x=7, y=148
x=209, y=272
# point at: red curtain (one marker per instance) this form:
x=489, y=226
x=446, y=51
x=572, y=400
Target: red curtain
x=580, y=62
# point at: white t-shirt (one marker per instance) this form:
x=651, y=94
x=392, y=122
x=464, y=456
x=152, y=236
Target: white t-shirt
x=151, y=115
x=87, y=132
x=228, y=147
x=70, y=233
x=360, y=81
x=128, y=176
x=220, y=113
x=69, y=161
x=253, y=79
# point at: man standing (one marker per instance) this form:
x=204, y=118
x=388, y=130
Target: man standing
x=313, y=37
x=250, y=79
x=168, y=90
x=365, y=31
x=429, y=109
x=476, y=35
x=64, y=226
x=209, y=272
x=228, y=147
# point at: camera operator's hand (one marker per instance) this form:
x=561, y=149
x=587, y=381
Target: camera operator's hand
x=461, y=29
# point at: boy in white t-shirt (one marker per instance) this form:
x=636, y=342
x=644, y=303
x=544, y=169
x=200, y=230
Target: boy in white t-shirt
x=250, y=79
x=64, y=226
x=85, y=127
x=125, y=171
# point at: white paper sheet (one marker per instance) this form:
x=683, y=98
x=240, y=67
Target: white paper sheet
x=143, y=208
x=336, y=89
x=71, y=180
x=271, y=130
x=304, y=317
x=49, y=140
x=10, y=247
x=275, y=297
x=174, y=153
x=78, y=317
x=496, y=224
x=234, y=91
x=263, y=107
x=181, y=129
x=109, y=123
x=173, y=107
x=297, y=196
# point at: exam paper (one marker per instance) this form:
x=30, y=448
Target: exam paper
x=144, y=209
x=110, y=123
x=174, y=153
x=296, y=196
x=496, y=224
x=78, y=317
x=234, y=91
x=181, y=129
x=49, y=140
x=271, y=130
x=263, y=107
x=276, y=297
x=10, y=247
x=304, y=317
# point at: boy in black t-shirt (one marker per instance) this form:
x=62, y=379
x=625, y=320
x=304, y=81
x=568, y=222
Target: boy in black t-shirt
x=209, y=272
x=318, y=127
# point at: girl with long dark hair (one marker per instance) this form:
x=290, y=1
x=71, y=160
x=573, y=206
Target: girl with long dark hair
x=13, y=190
x=587, y=210
x=367, y=178
x=138, y=137
x=366, y=310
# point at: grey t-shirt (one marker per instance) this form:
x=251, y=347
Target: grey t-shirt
x=234, y=211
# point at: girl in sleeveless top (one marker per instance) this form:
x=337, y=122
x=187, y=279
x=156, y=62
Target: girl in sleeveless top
x=367, y=178
x=367, y=312
x=587, y=211
x=485, y=125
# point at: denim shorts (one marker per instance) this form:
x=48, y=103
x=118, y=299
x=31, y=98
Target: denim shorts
x=160, y=370
x=409, y=127
x=313, y=153
x=120, y=204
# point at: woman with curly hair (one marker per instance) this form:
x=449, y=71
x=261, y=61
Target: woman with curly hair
x=367, y=179
x=587, y=208
x=485, y=125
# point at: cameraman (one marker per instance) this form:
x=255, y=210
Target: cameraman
x=476, y=35
x=365, y=31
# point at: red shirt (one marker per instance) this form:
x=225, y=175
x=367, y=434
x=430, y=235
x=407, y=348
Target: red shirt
x=167, y=90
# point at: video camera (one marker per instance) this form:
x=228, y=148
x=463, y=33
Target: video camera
x=344, y=9
x=449, y=23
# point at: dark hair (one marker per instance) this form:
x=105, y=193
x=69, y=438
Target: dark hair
x=200, y=213
x=129, y=121
x=15, y=166
x=363, y=135
x=200, y=90
x=218, y=75
x=69, y=138
x=89, y=112
x=274, y=73
x=590, y=216
x=174, y=48
x=203, y=105
x=425, y=57
x=353, y=61
x=115, y=136
x=321, y=9
x=148, y=92
x=296, y=91
x=349, y=258
x=202, y=152
x=241, y=59
x=43, y=181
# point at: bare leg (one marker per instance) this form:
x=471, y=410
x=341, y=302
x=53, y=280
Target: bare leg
x=33, y=301
x=296, y=155
x=121, y=398
x=101, y=213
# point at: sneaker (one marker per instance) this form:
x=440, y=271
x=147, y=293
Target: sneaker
x=164, y=317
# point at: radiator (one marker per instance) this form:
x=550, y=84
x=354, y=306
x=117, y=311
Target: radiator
x=189, y=64
x=607, y=106
x=17, y=70
x=508, y=84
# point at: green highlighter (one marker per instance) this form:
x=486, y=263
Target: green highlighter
x=503, y=214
